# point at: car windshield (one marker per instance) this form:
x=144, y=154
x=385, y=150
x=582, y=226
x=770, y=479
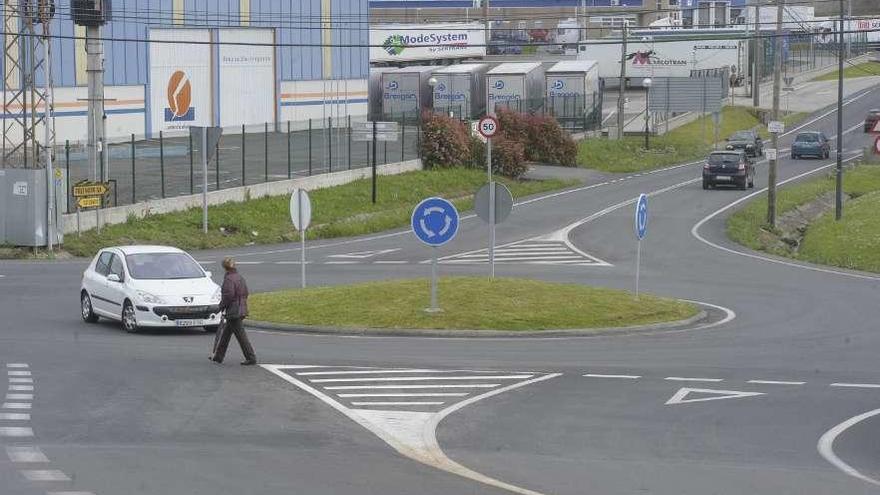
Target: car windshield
x=160, y=266
x=741, y=136
x=807, y=138
x=723, y=158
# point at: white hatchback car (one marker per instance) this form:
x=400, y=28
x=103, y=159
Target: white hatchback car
x=149, y=286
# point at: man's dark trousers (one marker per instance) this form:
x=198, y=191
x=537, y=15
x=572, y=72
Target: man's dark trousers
x=233, y=325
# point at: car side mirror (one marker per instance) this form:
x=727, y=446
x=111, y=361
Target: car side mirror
x=209, y=274
x=114, y=278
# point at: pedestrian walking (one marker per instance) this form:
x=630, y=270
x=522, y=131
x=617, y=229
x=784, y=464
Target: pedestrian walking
x=233, y=302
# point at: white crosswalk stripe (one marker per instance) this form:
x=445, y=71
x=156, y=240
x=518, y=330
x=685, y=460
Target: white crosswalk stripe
x=531, y=252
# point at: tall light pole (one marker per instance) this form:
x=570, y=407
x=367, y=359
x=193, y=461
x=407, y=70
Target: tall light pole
x=646, y=82
x=838, y=193
x=777, y=85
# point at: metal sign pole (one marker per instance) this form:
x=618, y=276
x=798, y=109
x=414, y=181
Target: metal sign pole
x=638, y=264
x=374, y=161
x=491, y=210
x=205, y=180
x=302, y=240
x=434, y=307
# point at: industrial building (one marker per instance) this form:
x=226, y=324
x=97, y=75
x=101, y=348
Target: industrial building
x=171, y=64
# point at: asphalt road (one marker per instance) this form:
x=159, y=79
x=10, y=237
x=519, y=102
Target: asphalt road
x=738, y=408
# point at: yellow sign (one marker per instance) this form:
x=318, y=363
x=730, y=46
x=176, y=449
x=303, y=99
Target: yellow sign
x=84, y=189
x=89, y=202
x=58, y=173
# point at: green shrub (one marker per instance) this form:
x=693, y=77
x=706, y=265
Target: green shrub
x=446, y=142
x=543, y=138
x=508, y=157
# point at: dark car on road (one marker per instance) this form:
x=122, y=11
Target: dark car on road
x=729, y=168
x=871, y=119
x=748, y=141
x=811, y=143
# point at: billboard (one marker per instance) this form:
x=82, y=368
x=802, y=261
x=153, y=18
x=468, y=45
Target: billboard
x=408, y=42
x=180, y=79
x=247, y=76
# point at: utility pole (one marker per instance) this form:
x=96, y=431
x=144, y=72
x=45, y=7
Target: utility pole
x=486, y=23
x=96, y=120
x=838, y=193
x=777, y=88
x=759, y=55
x=622, y=90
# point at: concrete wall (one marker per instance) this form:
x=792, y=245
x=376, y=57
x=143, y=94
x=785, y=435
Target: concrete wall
x=121, y=213
x=303, y=100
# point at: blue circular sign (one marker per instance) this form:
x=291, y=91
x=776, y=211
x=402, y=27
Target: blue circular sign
x=435, y=221
x=642, y=216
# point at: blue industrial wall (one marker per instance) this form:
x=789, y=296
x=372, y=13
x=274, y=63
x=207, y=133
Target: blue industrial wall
x=421, y=4
x=296, y=22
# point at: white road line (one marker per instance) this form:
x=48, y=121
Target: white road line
x=21, y=388
x=689, y=379
x=15, y=416
x=856, y=385
x=774, y=382
x=249, y=262
x=826, y=446
x=390, y=262
x=368, y=372
x=625, y=377
x=19, y=396
x=21, y=380
x=26, y=454
x=16, y=365
x=16, y=405
x=435, y=394
x=44, y=475
x=402, y=387
x=420, y=378
x=18, y=373
x=16, y=431
x=417, y=403
x=341, y=262
x=70, y=493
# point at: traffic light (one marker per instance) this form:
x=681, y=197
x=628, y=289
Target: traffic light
x=90, y=12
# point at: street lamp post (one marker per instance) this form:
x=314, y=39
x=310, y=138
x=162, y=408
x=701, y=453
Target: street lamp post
x=646, y=82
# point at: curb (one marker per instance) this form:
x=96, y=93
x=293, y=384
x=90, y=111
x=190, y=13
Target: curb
x=406, y=332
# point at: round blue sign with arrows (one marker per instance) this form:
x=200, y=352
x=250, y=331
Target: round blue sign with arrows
x=435, y=221
x=641, y=216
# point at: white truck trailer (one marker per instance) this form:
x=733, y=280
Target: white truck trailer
x=460, y=90
x=573, y=93
x=518, y=86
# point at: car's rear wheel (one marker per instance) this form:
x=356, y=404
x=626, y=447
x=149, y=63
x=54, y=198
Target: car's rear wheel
x=745, y=184
x=88, y=313
x=705, y=184
x=794, y=156
x=752, y=182
x=129, y=318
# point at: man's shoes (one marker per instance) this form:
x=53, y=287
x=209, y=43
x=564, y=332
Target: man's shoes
x=213, y=359
x=249, y=362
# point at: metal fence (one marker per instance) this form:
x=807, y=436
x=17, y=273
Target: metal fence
x=803, y=53
x=167, y=165
x=574, y=113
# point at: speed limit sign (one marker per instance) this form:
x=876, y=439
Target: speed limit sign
x=487, y=127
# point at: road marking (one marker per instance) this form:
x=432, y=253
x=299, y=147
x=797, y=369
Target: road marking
x=774, y=382
x=368, y=372
x=249, y=262
x=44, y=475
x=688, y=379
x=855, y=385
x=543, y=250
x=18, y=373
x=680, y=396
x=341, y=262
x=16, y=405
x=360, y=255
x=19, y=396
x=390, y=262
x=420, y=378
x=15, y=416
x=381, y=387
x=427, y=394
x=412, y=433
x=826, y=446
x=21, y=388
x=16, y=431
x=625, y=377
x=16, y=365
x=26, y=454
x=70, y=493
x=426, y=403
x=21, y=380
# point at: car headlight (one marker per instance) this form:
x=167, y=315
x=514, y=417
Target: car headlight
x=150, y=298
x=750, y=146
x=216, y=297
x=730, y=146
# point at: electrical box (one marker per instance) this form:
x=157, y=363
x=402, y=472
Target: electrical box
x=24, y=209
x=90, y=13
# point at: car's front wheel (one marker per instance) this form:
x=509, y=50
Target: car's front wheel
x=129, y=318
x=705, y=184
x=88, y=313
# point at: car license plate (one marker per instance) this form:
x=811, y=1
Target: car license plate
x=722, y=177
x=188, y=323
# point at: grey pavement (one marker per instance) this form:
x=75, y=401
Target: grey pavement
x=147, y=414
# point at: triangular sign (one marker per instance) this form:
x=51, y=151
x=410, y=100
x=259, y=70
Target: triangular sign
x=681, y=397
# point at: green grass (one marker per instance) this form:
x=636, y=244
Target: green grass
x=469, y=303
x=748, y=226
x=850, y=243
x=687, y=143
x=339, y=211
x=863, y=69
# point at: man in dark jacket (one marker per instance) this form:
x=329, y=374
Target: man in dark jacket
x=234, y=303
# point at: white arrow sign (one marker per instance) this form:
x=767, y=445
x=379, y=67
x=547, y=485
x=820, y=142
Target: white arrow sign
x=680, y=397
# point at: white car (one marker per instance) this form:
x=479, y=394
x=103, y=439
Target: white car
x=149, y=286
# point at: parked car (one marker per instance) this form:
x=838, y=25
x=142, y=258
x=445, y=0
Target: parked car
x=149, y=286
x=871, y=119
x=748, y=141
x=812, y=143
x=502, y=47
x=729, y=168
